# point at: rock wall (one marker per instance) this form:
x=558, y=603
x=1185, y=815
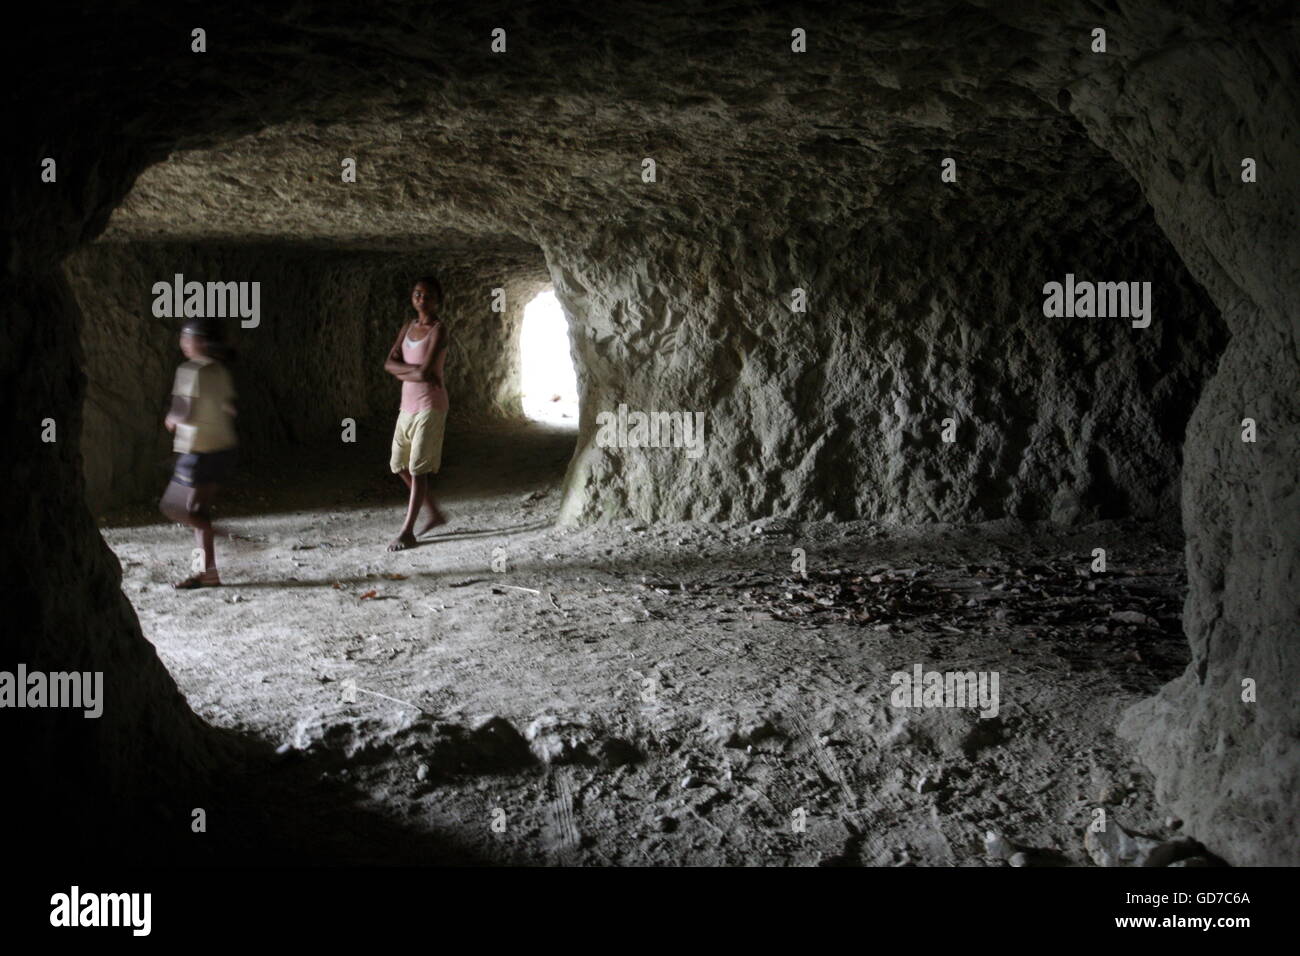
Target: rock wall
x=327, y=319
x=62, y=587
x=838, y=412
x=1182, y=123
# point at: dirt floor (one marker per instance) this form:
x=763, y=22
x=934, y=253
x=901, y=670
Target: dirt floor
x=661, y=695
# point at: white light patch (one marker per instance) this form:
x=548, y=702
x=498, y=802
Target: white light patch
x=548, y=383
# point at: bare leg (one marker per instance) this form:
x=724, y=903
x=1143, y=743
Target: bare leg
x=174, y=502
x=200, y=515
x=190, y=506
x=418, y=485
x=436, y=515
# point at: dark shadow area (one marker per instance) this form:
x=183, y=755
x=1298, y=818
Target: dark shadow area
x=265, y=810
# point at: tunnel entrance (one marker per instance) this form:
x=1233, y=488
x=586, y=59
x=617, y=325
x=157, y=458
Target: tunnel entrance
x=503, y=627
x=548, y=383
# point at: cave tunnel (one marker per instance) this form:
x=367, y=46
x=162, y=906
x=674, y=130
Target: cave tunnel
x=835, y=433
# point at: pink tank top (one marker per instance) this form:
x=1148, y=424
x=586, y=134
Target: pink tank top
x=423, y=396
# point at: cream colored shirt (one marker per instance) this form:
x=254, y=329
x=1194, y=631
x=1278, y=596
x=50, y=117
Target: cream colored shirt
x=209, y=427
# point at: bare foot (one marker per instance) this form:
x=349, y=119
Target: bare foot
x=207, y=579
x=435, y=519
x=402, y=542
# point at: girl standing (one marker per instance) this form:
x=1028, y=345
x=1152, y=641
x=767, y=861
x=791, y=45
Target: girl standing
x=417, y=359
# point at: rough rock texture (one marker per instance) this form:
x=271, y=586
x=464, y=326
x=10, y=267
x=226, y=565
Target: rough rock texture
x=679, y=289
x=62, y=588
x=794, y=163
x=1181, y=123
x=327, y=319
x=838, y=412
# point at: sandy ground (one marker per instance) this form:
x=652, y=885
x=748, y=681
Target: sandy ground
x=649, y=695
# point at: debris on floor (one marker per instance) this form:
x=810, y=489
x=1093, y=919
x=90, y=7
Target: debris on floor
x=677, y=693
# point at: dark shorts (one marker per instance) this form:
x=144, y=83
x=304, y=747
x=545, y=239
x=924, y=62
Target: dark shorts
x=204, y=468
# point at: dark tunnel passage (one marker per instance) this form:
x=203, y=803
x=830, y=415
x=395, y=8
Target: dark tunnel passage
x=883, y=446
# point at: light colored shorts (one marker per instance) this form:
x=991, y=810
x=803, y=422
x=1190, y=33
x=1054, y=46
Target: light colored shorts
x=417, y=442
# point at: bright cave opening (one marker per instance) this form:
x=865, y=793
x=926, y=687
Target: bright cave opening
x=548, y=384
